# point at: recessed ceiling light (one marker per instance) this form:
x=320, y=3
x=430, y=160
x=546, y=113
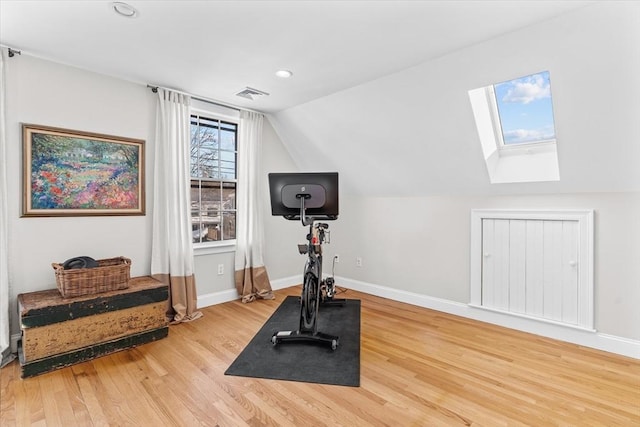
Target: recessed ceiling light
x=124, y=9
x=285, y=74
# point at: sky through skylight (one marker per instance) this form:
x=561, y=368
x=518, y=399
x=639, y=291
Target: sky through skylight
x=525, y=109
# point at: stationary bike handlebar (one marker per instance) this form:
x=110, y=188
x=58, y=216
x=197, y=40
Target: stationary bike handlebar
x=308, y=220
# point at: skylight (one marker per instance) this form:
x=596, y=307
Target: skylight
x=516, y=129
x=525, y=110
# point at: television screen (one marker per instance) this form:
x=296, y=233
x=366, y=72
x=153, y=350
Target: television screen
x=319, y=190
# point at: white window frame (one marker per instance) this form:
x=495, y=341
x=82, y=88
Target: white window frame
x=218, y=246
x=517, y=148
x=513, y=163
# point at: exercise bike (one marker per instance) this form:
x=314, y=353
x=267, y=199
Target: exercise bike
x=316, y=291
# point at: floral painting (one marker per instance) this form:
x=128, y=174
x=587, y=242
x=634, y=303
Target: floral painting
x=78, y=173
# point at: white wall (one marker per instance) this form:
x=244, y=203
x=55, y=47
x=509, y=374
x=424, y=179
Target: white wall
x=421, y=245
x=412, y=166
x=413, y=133
x=281, y=257
x=281, y=237
x=46, y=93
x=418, y=243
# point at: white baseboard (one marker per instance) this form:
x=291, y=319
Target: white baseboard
x=588, y=338
x=14, y=342
x=286, y=282
x=227, y=295
x=219, y=297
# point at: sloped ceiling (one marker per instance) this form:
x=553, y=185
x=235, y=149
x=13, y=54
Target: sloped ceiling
x=215, y=49
x=412, y=133
x=379, y=91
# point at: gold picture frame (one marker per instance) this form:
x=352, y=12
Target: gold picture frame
x=74, y=173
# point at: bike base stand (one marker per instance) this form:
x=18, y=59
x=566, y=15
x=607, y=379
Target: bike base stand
x=333, y=301
x=292, y=336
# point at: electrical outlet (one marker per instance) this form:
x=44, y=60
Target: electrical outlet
x=358, y=262
x=220, y=269
x=336, y=258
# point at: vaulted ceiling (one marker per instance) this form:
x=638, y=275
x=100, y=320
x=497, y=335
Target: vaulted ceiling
x=379, y=90
x=216, y=48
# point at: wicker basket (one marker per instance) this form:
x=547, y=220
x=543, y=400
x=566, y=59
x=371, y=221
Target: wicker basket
x=110, y=275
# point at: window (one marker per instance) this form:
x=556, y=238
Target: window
x=213, y=179
x=516, y=129
x=523, y=110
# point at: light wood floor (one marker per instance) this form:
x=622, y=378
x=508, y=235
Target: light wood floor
x=418, y=368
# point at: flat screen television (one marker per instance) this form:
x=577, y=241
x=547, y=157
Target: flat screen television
x=319, y=190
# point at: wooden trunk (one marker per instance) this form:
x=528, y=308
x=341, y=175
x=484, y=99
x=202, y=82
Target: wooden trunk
x=58, y=332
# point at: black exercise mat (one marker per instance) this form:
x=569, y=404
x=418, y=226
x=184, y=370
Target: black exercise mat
x=305, y=361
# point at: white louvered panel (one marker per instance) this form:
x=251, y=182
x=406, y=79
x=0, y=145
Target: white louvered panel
x=517, y=266
x=552, y=274
x=569, y=282
x=488, y=279
x=535, y=268
x=532, y=266
x=496, y=264
x=584, y=270
x=502, y=264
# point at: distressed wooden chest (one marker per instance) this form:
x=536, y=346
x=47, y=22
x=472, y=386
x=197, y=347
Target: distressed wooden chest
x=58, y=332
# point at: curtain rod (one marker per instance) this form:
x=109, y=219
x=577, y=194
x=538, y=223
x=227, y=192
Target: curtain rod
x=154, y=89
x=11, y=51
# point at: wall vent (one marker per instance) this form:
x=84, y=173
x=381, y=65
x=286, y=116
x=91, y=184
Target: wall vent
x=249, y=93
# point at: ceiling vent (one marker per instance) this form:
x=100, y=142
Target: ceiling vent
x=249, y=93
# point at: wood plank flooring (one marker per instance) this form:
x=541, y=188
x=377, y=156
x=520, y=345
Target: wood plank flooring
x=418, y=368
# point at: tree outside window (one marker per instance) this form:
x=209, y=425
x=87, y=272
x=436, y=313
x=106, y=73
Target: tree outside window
x=213, y=179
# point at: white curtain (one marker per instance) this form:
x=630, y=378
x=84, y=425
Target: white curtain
x=252, y=280
x=4, y=226
x=171, y=249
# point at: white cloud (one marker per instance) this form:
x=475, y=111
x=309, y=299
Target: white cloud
x=527, y=135
x=528, y=89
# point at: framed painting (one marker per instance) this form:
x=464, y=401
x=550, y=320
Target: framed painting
x=73, y=173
